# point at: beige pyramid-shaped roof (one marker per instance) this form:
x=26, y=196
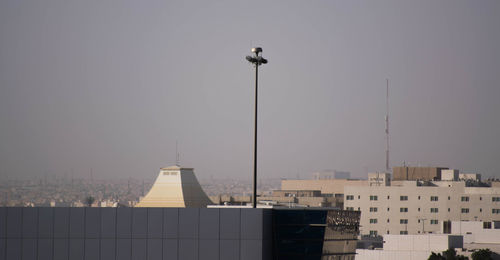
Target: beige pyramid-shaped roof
x=176, y=187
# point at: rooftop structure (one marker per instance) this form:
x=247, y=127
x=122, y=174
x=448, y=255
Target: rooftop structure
x=464, y=236
x=175, y=187
x=477, y=232
x=379, y=179
x=416, y=247
x=406, y=173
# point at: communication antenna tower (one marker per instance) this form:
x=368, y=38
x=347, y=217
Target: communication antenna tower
x=387, y=128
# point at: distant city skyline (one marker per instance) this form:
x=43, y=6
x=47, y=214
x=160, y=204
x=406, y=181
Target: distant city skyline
x=113, y=87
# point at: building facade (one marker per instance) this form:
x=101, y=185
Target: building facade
x=417, y=207
x=176, y=234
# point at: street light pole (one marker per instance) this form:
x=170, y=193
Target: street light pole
x=254, y=199
x=257, y=61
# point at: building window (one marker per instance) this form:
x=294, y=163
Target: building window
x=480, y=210
x=494, y=199
x=465, y=210
x=373, y=197
x=418, y=209
x=359, y=197
x=349, y=208
x=403, y=197
x=448, y=209
x=403, y=209
x=388, y=197
x=373, y=221
x=373, y=209
x=434, y=198
x=349, y=197
x=434, y=221
x=373, y=233
x=418, y=197
x=434, y=210
x=480, y=198
x=403, y=221
x=403, y=232
x=359, y=209
x=387, y=209
x=418, y=220
x=495, y=211
x=496, y=224
x=448, y=197
x=465, y=198
x=388, y=221
x=486, y=225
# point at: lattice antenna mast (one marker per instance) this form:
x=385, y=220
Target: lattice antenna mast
x=387, y=127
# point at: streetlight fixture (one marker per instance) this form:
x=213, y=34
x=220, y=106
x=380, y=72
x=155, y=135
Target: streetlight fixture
x=256, y=60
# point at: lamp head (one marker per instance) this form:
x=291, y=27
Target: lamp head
x=257, y=50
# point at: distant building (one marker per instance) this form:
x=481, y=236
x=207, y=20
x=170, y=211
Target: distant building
x=304, y=198
x=406, y=173
x=287, y=198
x=342, y=174
x=416, y=207
x=175, y=187
x=226, y=199
x=326, y=186
x=327, y=192
x=331, y=174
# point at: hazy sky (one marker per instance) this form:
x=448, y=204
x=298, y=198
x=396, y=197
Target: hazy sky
x=111, y=85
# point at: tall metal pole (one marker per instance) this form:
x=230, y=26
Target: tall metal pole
x=256, y=60
x=387, y=128
x=255, y=139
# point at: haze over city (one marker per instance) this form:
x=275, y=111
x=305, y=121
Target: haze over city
x=112, y=86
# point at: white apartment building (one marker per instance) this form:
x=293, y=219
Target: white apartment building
x=417, y=207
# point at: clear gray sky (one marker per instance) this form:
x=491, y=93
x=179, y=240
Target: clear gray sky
x=111, y=85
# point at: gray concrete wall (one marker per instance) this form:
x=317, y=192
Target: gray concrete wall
x=135, y=233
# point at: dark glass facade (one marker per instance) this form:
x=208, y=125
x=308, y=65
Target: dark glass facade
x=315, y=234
x=168, y=234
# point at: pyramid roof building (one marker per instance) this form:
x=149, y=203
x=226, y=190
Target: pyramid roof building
x=176, y=187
